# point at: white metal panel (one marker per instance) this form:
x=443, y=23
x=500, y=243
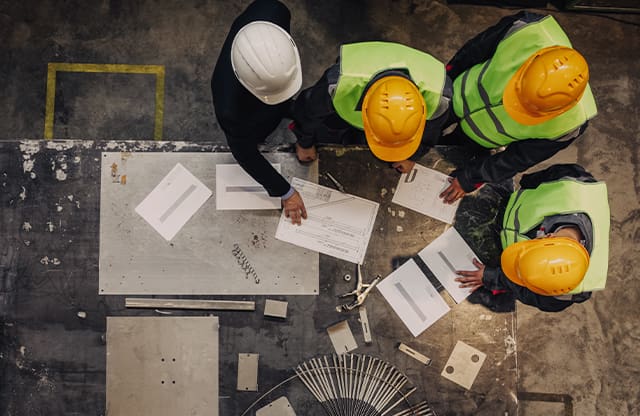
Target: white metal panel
x=162, y=366
x=135, y=259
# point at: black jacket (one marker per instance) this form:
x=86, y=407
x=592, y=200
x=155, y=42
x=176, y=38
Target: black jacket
x=495, y=279
x=317, y=121
x=245, y=120
x=518, y=156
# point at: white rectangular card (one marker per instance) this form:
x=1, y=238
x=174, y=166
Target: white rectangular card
x=419, y=190
x=236, y=189
x=446, y=254
x=173, y=201
x=413, y=297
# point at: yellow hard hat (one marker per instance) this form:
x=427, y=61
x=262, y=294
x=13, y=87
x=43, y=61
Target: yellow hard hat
x=549, y=83
x=393, y=114
x=547, y=266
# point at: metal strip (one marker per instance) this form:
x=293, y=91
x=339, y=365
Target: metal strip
x=236, y=305
x=410, y=301
x=177, y=203
x=447, y=262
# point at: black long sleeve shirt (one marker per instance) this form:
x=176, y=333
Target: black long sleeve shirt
x=245, y=120
x=518, y=156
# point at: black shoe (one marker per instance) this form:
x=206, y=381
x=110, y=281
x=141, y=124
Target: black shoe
x=503, y=302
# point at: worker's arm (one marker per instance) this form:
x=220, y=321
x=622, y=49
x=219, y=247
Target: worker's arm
x=254, y=163
x=494, y=279
x=313, y=107
x=484, y=45
x=517, y=157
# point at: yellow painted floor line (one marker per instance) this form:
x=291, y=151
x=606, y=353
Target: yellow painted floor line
x=54, y=67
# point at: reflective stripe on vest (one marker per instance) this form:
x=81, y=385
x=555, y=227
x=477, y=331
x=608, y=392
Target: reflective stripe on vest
x=360, y=62
x=477, y=93
x=527, y=208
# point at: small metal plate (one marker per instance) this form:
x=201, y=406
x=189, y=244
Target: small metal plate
x=200, y=259
x=342, y=337
x=162, y=366
x=275, y=308
x=248, y=372
x=463, y=365
x=279, y=407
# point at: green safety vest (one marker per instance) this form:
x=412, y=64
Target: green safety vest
x=477, y=92
x=360, y=62
x=527, y=208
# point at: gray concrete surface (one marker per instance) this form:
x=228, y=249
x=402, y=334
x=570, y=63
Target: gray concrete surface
x=588, y=352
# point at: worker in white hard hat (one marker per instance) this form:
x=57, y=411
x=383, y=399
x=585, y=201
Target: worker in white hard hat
x=555, y=239
x=520, y=95
x=257, y=74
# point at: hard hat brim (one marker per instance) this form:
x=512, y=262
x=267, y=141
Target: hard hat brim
x=393, y=154
x=514, y=107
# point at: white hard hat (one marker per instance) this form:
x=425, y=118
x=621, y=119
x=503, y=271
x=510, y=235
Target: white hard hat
x=266, y=61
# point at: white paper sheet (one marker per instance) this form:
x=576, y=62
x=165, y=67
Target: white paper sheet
x=338, y=224
x=446, y=254
x=236, y=189
x=173, y=201
x=419, y=189
x=413, y=297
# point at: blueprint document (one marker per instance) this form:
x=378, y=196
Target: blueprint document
x=338, y=224
x=173, y=201
x=446, y=254
x=235, y=189
x=413, y=297
x=419, y=190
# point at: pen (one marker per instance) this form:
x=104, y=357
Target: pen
x=336, y=183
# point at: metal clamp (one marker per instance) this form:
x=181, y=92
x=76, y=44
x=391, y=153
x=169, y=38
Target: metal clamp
x=360, y=292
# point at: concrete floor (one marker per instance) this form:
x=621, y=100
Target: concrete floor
x=588, y=353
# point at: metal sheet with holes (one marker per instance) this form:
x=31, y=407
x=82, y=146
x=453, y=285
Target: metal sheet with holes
x=135, y=259
x=162, y=366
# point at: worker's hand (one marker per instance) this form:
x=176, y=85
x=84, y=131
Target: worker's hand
x=306, y=155
x=294, y=208
x=453, y=192
x=471, y=279
x=404, y=166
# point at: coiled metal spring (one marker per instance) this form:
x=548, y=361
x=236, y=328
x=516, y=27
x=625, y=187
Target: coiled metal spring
x=244, y=263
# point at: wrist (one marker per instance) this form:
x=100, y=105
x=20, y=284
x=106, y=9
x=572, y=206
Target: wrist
x=289, y=194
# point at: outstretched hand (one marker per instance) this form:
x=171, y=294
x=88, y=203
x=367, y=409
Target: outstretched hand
x=294, y=208
x=471, y=279
x=453, y=192
x=306, y=155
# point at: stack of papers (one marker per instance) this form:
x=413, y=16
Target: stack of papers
x=411, y=294
x=337, y=224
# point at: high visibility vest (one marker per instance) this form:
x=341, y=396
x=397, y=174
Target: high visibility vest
x=477, y=92
x=527, y=208
x=360, y=62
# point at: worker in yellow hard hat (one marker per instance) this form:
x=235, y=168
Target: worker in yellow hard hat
x=520, y=95
x=555, y=239
x=389, y=96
